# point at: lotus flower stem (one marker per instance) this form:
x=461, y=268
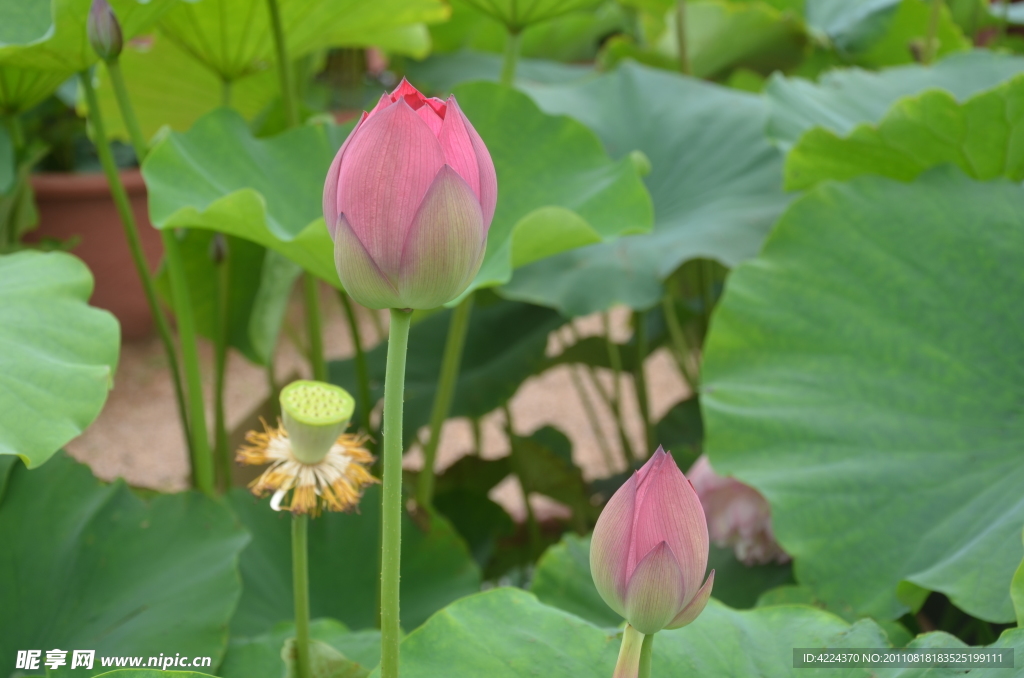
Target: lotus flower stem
x=314, y=327
x=639, y=378
x=458, y=327
x=508, y=66
x=646, y=654
x=300, y=588
x=681, y=350
x=223, y=455
x=592, y=419
x=128, y=221
x=931, y=46
x=194, y=425
x=362, y=370
x=628, y=665
x=532, y=526
x=284, y=72
x=391, y=551
x=611, y=400
x=684, y=55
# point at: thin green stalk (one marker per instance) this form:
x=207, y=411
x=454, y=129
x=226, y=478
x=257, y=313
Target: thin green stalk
x=615, y=360
x=284, y=71
x=226, y=90
x=646, y=654
x=272, y=386
x=458, y=327
x=706, y=272
x=362, y=370
x=202, y=459
x=17, y=135
x=378, y=325
x=141, y=149
x=314, y=327
x=300, y=587
x=532, y=526
x=391, y=547
x=684, y=56
x=628, y=665
x=220, y=426
x=478, y=436
x=592, y=418
x=931, y=46
x=508, y=66
x=681, y=351
x=1004, y=25
x=640, y=379
x=128, y=222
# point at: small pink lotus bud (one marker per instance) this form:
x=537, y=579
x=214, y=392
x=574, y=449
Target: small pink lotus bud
x=408, y=201
x=103, y=30
x=738, y=516
x=650, y=549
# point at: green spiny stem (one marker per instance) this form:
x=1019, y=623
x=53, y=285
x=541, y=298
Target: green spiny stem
x=221, y=448
x=508, y=66
x=131, y=233
x=362, y=370
x=300, y=588
x=640, y=379
x=931, y=46
x=684, y=56
x=124, y=104
x=615, y=360
x=646, y=654
x=284, y=72
x=314, y=327
x=391, y=547
x=202, y=458
x=458, y=327
x=628, y=665
x=681, y=351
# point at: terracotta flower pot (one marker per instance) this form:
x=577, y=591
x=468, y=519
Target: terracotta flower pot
x=80, y=205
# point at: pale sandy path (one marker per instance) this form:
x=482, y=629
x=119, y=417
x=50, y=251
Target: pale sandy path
x=137, y=435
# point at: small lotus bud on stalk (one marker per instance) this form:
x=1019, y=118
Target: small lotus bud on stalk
x=738, y=516
x=408, y=201
x=104, y=30
x=310, y=456
x=649, y=553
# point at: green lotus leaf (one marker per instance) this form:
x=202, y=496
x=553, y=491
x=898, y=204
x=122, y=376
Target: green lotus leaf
x=169, y=87
x=844, y=98
x=1017, y=593
x=442, y=72
x=522, y=636
x=556, y=187
x=59, y=353
x=843, y=381
x=63, y=45
x=22, y=88
x=91, y=566
x=905, y=31
x=517, y=15
x=344, y=567
x=716, y=185
x=233, y=38
x=260, y=656
x=984, y=136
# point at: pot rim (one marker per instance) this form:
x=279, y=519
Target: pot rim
x=74, y=185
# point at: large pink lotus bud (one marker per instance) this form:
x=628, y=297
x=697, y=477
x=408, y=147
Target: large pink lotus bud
x=650, y=549
x=408, y=201
x=738, y=516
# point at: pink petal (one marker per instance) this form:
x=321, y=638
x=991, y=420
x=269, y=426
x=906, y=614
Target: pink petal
x=360, y=276
x=610, y=546
x=669, y=510
x=430, y=117
x=331, y=183
x=655, y=591
x=439, y=106
x=465, y=151
x=695, y=606
x=406, y=90
x=445, y=246
x=382, y=103
x=386, y=172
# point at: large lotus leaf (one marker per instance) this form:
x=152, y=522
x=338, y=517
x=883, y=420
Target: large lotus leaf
x=505, y=345
x=716, y=183
x=864, y=373
x=63, y=46
x=556, y=187
x=260, y=656
x=1017, y=593
x=91, y=566
x=907, y=28
x=234, y=38
x=8, y=161
x=169, y=87
x=22, y=88
x=984, y=136
x=842, y=99
x=218, y=176
x=344, y=566
x=522, y=636
x=442, y=72
x=518, y=15
x=59, y=353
